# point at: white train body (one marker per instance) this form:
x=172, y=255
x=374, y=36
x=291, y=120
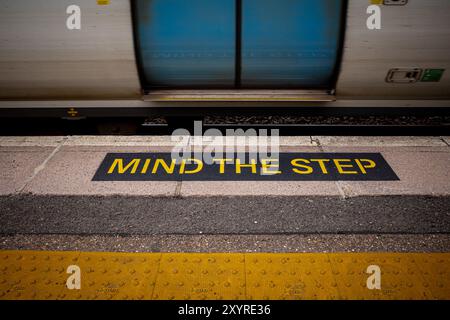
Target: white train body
x=44, y=64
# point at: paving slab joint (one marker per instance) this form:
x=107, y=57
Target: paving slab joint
x=445, y=141
x=178, y=187
x=42, y=166
x=316, y=141
x=344, y=196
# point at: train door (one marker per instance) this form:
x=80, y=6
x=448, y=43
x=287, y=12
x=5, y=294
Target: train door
x=234, y=44
x=290, y=43
x=186, y=44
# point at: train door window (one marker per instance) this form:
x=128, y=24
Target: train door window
x=290, y=43
x=233, y=44
x=186, y=44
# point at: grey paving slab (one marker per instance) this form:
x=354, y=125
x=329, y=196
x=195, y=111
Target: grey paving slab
x=116, y=148
x=299, y=141
x=18, y=165
x=421, y=172
x=70, y=171
x=130, y=141
x=31, y=141
x=377, y=141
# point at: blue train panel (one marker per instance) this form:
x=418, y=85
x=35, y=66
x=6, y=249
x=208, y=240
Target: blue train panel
x=186, y=43
x=290, y=43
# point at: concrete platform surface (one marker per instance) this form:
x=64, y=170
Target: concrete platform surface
x=66, y=165
x=46, y=187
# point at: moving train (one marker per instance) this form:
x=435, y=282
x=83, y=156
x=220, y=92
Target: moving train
x=132, y=56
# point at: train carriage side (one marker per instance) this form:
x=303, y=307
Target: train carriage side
x=126, y=49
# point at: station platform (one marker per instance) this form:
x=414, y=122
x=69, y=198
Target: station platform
x=187, y=239
x=47, y=187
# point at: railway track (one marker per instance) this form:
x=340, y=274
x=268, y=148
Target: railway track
x=370, y=126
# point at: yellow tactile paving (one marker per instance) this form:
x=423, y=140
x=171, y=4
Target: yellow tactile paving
x=400, y=276
x=435, y=273
x=191, y=276
x=289, y=276
x=201, y=276
x=115, y=276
